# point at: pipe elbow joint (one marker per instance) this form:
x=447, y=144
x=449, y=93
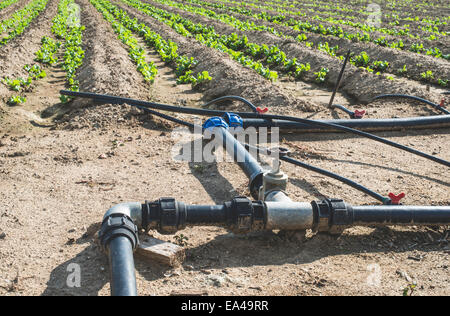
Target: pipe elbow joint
x=121, y=220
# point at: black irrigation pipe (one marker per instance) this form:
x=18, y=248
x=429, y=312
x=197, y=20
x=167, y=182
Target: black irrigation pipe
x=434, y=121
x=168, y=117
x=411, y=97
x=164, y=107
x=335, y=176
x=344, y=109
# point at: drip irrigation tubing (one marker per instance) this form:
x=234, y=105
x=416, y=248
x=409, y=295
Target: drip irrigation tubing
x=283, y=156
x=119, y=100
x=344, y=109
x=405, y=96
x=233, y=98
x=335, y=176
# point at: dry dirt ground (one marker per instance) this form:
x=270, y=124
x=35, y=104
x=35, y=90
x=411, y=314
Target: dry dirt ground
x=62, y=167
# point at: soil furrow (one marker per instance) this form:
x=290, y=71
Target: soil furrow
x=106, y=67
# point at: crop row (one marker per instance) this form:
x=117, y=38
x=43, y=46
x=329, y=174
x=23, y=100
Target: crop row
x=307, y=26
x=47, y=55
x=167, y=50
x=135, y=51
x=430, y=24
x=284, y=11
x=20, y=20
x=208, y=37
x=7, y=3
x=394, y=10
x=363, y=60
x=67, y=28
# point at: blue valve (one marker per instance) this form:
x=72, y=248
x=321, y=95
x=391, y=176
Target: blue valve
x=233, y=120
x=215, y=122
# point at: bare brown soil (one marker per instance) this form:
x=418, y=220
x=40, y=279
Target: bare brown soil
x=62, y=167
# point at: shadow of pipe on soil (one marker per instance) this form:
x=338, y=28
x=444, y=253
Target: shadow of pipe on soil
x=230, y=250
x=269, y=248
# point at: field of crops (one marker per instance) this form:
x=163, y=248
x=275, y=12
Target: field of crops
x=283, y=55
x=261, y=50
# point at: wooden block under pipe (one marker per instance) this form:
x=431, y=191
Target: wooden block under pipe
x=162, y=252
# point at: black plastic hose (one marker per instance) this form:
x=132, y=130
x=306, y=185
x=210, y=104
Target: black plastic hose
x=164, y=107
x=435, y=121
x=233, y=98
x=353, y=184
x=283, y=156
x=121, y=263
x=338, y=82
x=343, y=108
x=352, y=131
x=400, y=215
x=168, y=117
x=405, y=96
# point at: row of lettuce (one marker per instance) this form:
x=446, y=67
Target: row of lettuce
x=125, y=27
x=68, y=35
x=363, y=60
x=336, y=30
x=64, y=49
x=259, y=57
x=434, y=25
x=7, y=3
x=15, y=25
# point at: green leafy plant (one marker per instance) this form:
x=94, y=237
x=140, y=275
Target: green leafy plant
x=443, y=82
x=15, y=100
x=201, y=78
x=181, y=240
x=361, y=60
x=17, y=84
x=427, y=75
x=380, y=65
x=416, y=47
x=321, y=75
x=46, y=54
x=409, y=290
x=35, y=71
x=402, y=70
